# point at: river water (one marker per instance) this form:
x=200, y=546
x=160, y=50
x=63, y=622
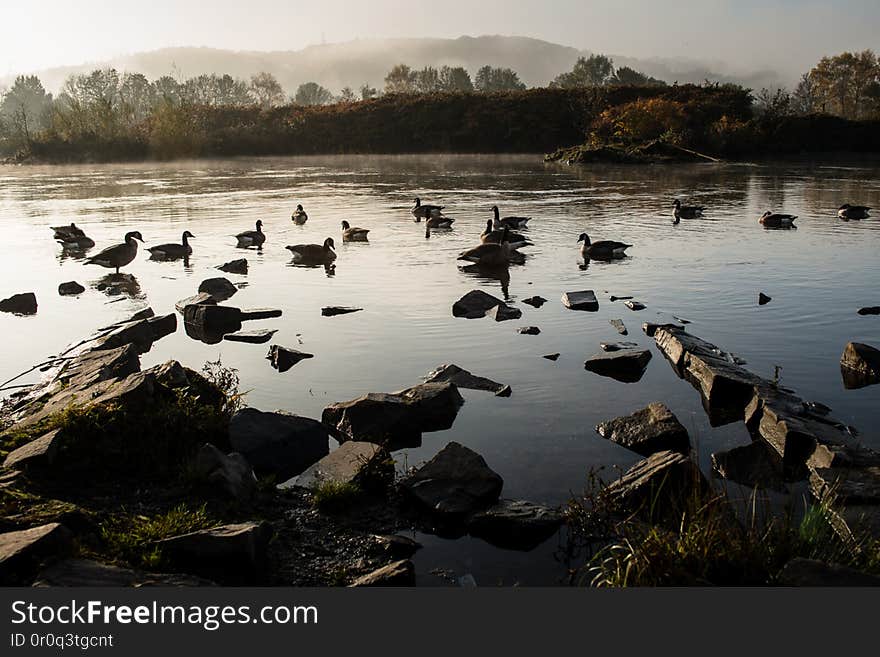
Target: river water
x=541, y=440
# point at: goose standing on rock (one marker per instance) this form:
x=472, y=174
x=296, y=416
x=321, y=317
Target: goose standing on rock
x=420, y=211
x=350, y=234
x=299, y=216
x=772, y=220
x=499, y=223
x=252, y=237
x=490, y=236
x=118, y=255
x=313, y=254
x=604, y=250
x=493, y=255
x=72, y=236
x=848, y=211
x=173, y=251
x=686, y=211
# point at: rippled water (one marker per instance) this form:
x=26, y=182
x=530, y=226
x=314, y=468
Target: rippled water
x=542, y=439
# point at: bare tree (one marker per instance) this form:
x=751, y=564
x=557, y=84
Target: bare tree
x=266, y=90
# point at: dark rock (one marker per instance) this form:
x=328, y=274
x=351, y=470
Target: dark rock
x=651, y=329
x=235, y=267
x=614, y=298
x=87, y=573
x=584, y=300
x=553, y=357
x=162, y=326
x=610, y=347
x=146, y=313
x=627, y=366
x=261, y=336
x=283, y=359
x=873, y=310
x=366, y=465
x=658, y=488
x=140, y=334
x=535, y=302
x=70, y=288
x=763, y=299
x=464, y=379
x=860, y=366
x=456, y=482
x=652, y=429
x=397, y=547
x=515, y=525
x=260, y=313
x=619, y=326
x=801, y=572
x=755, y=465
x=503, y=313
x=220, y=289
x=475, y=304
x=231, y=473
x=399, y=573
x=635, y=305
x=238, y=548
x=278, y=443
x=20, y=304
x=333, y=311
x=39, y=453
x=21, y=550
x=201, y=299
x=210, y=323
x=529, y=330
x=171, y=375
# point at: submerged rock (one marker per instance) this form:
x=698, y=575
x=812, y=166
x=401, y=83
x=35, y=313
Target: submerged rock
x=860, y=365
x=619, y=326
x=259, y=336
x=220, y=289
x=333, y=311
x=399, y=573
x=515, y=524
x=70, y=288
x=239, y=266
x=365, y=465
x=627, y=366
x=231, y=473
x=464, y=379
x=21, y=550
x=456, y=482
x=755, y=465
x=283, y=359
x=20, y=304
x=278, y=443
x=529, y=330
x=475, y=304
x=584, y=300
x=652, y=429
x=535, y=302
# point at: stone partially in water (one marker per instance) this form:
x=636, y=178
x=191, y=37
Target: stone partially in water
x=475, y=304
x=873, y=310
x=635, y=305
x=219, y=288
x=652, y=429
x=515, y=524
x=283, y=358
x=70, y=288
x=365, y=465
x=553, y=357
x=755, y=465
x=763, y=299
x=20, y=304
x=529, y=330
x=619, y=326
x=211, y=321
x=860, y=365
x=260, y=336
x=535, y=302
x=201, y=299
x=333, y=311
x=235, y=267
x=464, y=379
x=583, y=300
x=503, y=313
x=617, y=346
x=627, y=366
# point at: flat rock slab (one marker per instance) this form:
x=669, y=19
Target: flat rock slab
x=200, y=299
x=86, y=572
x=650, y=329
x=399, y=573
x=860, y=365
x=20, y=550
x=212, y=318
x=553, y=357
x=238, y=547
x=652, y=429
x=229, y=473
x=334, y=311
x=239, y=266
x=464, y=379
x=278, y=443
x=70, y=288
x=260, y=313
x=20, y=304
x=755, y=465
x=284, y=358
x=529, y=330
x=361, y=464
x=260, y=336
x=515, y=524
x=619, y=326
x=611, y=347
x=810, y=572
x=475, y=304
x=220, y=289
x=456, y=482
x=535, y=302
x=584, y=300
x=39, y=453
x=627, y=366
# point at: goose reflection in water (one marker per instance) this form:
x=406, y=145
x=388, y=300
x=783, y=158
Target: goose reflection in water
x=114, y=285
x=488, y=273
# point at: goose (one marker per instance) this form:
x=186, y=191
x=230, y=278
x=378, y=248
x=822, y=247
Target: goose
x=490, y=236
x=350, y=234
x=173, y=251
x=604, y=250
x=510, y=222
x=686, y=211
x=118, y=255
x=771, y=220
x=72, y=236
x=848, y=211
x=299, y=216
x=490, y=254
x=314, y=254
x=252, y=237
x=420, y=211
x=440, y=222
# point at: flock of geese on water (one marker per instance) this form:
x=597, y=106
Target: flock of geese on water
x=499, y=242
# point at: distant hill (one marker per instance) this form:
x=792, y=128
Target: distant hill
x=353, y=63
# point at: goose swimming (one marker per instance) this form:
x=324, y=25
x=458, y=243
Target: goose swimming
x=772, y=220
x=118, y=255
x=72, y=236
x=491, y=254
x=604, y=250
x=350, y=234
x=252, y=237
x=313, y=254
x=490, y=236
x=299, y=216
x=510, y=222
x=686, y=211
x=173, y=251
x=848, y=211
x=420, y=211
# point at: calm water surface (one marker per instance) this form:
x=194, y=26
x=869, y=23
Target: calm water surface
x=541, y=440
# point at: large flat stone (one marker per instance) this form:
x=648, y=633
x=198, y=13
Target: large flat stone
x=860, y=365
x=362, y=464
x=38, y=453
x=20, y=304
x=652, y=429
x=237, y=548
x=21, y=550
x=475, y=304
x=464, y=379
x=626, y=366
x=515, y=524
x=583, y=300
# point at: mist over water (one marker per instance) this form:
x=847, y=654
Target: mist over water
x=542, y=439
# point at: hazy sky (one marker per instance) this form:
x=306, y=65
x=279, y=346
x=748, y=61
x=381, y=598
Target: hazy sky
x=787, y=35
